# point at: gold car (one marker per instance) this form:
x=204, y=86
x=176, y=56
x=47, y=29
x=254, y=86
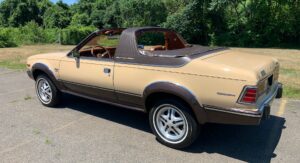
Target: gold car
x=154, y=70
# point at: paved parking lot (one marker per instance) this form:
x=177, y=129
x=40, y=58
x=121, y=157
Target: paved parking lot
x=81, y=130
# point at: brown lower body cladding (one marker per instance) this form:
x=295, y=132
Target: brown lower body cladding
x=207, y=114
x=214, y=116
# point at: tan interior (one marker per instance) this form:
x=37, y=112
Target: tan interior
x=154, y=48
x=172, y=42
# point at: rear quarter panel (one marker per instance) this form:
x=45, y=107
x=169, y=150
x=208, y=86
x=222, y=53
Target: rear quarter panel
x=135, y=78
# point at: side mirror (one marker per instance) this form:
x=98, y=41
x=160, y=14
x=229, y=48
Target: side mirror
x=76, y=54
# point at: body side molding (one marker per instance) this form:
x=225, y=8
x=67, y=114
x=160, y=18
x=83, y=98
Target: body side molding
x=180, y=91
x=105, y=101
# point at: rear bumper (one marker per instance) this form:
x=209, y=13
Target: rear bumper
x=242, y=116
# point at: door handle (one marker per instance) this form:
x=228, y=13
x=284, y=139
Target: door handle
x=107, y=71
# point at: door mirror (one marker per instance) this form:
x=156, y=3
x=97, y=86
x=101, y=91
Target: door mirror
x=76, y=54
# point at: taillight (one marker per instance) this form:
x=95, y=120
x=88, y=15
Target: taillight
x=249, y=95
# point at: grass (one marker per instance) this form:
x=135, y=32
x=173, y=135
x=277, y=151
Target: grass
x=289, y=68
x=48, y=141
x=14, y=101
x=27, y=98
x=15, y=58
x=36, y=132
x=290, y=72
x=13, y=63
x=291, y=92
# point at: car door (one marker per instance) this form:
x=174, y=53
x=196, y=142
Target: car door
x=92, y=77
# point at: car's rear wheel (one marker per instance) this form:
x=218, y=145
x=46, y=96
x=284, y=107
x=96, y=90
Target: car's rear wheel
x=173, y=123
x=46, y=91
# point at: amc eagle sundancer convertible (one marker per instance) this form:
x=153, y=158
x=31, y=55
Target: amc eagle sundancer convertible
x=154, y=70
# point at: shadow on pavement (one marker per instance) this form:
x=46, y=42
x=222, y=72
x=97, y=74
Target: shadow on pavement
x=245, y=143
x=127, y=117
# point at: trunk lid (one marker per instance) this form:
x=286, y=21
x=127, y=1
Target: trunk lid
x=262, y=66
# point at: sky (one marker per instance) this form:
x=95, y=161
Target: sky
x=66, y=1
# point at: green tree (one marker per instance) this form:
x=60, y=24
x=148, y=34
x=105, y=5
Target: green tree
x=80, y=20
x=209, y=22
x=191, y=22
x=174, y=6
x=104, y=13
x=255, y=22
x=43, y=5
x=19, y=12
x=2, y=20
x=57, y=15
x=142, y=13
x=100, y=13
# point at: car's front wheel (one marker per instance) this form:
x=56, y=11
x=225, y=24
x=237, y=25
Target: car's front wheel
x=173, y=123
x=46, y=91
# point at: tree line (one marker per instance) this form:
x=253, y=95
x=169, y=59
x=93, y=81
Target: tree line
x=250, y=23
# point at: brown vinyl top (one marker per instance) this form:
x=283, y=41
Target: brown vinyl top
x=128, y=52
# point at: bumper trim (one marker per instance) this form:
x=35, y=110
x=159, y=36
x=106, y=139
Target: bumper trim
x=214, y=116
x=233, y=111
x=269, y=98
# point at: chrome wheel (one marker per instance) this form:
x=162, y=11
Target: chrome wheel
x=44, y=91
x=170, y=123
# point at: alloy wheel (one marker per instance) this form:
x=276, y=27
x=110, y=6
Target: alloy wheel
x=170, y=123
x=44, y=91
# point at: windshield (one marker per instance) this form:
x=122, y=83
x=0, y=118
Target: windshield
x=103, y=40
x=102, y=45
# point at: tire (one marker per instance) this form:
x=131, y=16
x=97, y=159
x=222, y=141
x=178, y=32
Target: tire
x=46, y=91
x=173, y=123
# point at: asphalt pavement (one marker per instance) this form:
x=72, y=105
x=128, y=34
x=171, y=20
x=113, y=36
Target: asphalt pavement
x=80, y=130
